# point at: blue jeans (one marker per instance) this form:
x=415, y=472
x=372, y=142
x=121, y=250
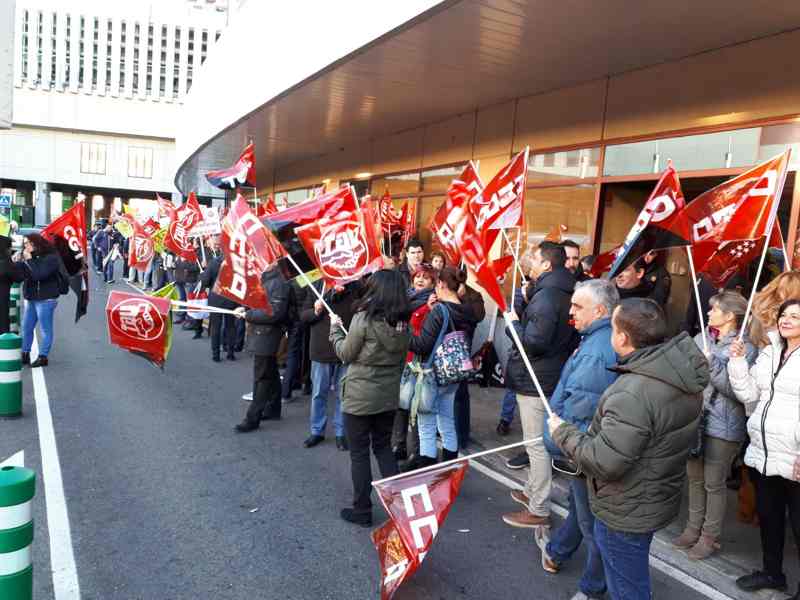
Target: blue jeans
x=578, y=527
x=443, y=420
x=108, y=270
x=322, y=376
x=626, y=559
x=508, y=406
x=41, y=311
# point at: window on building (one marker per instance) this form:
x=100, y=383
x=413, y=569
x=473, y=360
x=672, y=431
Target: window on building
x=109, y=36
x=137, y=59
x=95, y=49
x=81, y=53
x=720, y=150
x=53, y=50
x=93, y=158
x=140, y=162
x=122, y=65
x=38, y=74
x=581, y=164
x=24, y=45
x=399, y=184
x=439, y=178
x=565, y=209
x=292, y=197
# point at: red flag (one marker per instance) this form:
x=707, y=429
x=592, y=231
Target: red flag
x=266, y=208
x=249, y=248
x=141, y=248
x=502, y=265
x=501, y=203
x=470, y=243
x=417, y=506
x=442, y=226
x=70, y=227
x=660, y=224
x=708, y=215
x=166, y=209
x=243, y=172
x=140, y=324
x=390, y=218
x=603, y=262
x=284, y=222
x=183, y=220
x=344, y=247
x=556, y=234
x=151, y=226
x=409, y=221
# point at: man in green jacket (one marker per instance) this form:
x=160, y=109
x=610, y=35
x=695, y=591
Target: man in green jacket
x=634, y=453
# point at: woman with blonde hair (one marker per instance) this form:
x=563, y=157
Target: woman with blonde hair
x=766, y=303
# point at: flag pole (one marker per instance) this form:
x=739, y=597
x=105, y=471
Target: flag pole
x=457, y=460
x=527, y=362
x=697, y=298
x=755, y=287
x=311, y=285
x=517, y=266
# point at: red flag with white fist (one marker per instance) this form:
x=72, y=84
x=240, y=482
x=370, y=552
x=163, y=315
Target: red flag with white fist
x=141, y=247
x=343, y=247
x=181, y=223
x=140, y=324
x=417, y=506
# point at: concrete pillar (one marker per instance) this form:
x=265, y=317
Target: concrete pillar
x=42, y=208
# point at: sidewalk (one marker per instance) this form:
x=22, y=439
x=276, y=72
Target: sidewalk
x=741, y=546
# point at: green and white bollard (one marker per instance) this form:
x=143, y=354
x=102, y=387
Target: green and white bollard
x=15, y=300
x=17, y=488
x=10, y=376
x=13, y=316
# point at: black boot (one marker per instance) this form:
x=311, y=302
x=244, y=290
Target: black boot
x=26, y=358
x=39, y=362
x=418, y=462
x=230, y=356
x=215, y=357
x=448, y=454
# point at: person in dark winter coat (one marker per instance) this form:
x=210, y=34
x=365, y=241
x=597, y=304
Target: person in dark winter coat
x=634, y=452
x=374, y=352
x=10, y=272
x=656, y=273
x=472, y=299
x=264, y=337
x=187, y=273
x=219, y=323
x=461, y=317
x=41, y=267
x=548, y=338
x=326, y=368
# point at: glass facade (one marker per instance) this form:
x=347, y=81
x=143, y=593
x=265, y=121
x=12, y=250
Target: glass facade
x=583, y=163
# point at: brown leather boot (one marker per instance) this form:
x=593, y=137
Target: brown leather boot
x=687, y=539
x=705, y=547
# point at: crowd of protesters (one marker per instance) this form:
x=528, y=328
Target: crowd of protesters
x=637, y=413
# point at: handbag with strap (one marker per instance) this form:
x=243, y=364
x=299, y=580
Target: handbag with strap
x=418, y=385
x=452, y=362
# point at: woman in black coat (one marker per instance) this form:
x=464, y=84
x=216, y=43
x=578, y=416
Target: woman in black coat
x=41, y=268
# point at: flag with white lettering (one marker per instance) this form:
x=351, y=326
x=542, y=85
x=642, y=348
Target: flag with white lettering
x=501, y=203
x=141, y=247
x=417, y=506
x=68, y=234
x=659, y=225
x=248, y=248
x=344, y=247
x=442, y=223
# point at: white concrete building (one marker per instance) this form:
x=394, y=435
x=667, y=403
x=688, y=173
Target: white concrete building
x=97, y=89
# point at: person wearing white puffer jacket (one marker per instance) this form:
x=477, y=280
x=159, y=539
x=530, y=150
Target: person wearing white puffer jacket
x=770, y=391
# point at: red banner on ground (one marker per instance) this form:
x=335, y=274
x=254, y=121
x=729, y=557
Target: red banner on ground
x=344, y=247
x=140, y=324
x=183, y=220
x=417, y=506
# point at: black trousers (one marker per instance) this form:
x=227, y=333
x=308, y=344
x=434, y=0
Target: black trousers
x=363, y=431
x=774, y=495
x=400, y=434
x=215, y=327
x=266, y=389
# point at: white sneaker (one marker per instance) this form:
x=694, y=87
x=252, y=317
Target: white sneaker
x=248, y=397
x=580, y=596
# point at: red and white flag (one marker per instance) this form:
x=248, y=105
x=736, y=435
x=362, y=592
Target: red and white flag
x=182, y=222
x=249, y=248
x=71, y=228
x=141, y=248
x=417, y=506
x=166, y=209
x=442, y=224
x=243, y=172
x=344, y=247
x=266, y=208
x=500, y=205
x=140, y=324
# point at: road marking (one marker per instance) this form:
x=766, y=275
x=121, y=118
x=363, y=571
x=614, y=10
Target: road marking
x=656, y=563
x=62, y=557
x=15, y=460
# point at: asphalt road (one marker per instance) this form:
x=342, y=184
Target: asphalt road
x=165, y=501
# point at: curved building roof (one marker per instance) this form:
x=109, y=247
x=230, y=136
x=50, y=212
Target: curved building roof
x=305, y=78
